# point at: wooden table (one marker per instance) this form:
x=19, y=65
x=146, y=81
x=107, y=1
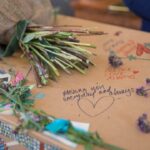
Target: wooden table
x=110, y=103
x=97, y=10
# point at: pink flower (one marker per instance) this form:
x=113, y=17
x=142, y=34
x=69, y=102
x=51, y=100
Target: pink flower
x=19, y=77
x=8, y=106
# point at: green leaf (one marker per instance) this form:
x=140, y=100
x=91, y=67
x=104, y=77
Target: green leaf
x=13, y=45
x=28, y=37
x=21, y=28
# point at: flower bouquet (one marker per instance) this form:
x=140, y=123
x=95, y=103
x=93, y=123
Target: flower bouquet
x=50, y=48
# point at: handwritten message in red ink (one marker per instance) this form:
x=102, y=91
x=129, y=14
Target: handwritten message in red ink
x=121, y=73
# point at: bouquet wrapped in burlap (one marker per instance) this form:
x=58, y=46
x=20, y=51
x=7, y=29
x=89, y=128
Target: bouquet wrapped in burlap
x=12, y=11
x=26, y=25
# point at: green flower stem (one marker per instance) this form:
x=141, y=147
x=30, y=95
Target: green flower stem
x=16, y=101
x=73, y=45
x=8, y=96
x=39, y=34
x=63, y=62
x=37, y=78
x=62, y=54
x=74, y=52
x=111, y=147
x=77, y=68
x=33, y=62
x=90, y=139
x=46, y=46
x=80, y=44
x=83, y=51
x=62, y=66
x=48, y=62
x=50, y=70
x=20, y=104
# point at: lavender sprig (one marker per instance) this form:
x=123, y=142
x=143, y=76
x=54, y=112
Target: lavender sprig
x=144, y=123
x=115, y=61
x=148, y=81
x=142, y=91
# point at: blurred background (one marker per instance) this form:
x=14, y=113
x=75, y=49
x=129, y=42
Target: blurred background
x=107, y=11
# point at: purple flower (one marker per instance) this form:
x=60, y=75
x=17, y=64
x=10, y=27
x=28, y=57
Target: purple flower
x=115, y=61
x=148, y=81
x=144, y=123
x=142, y=91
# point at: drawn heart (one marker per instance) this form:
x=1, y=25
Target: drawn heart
x=135, y=71
x=93, y=109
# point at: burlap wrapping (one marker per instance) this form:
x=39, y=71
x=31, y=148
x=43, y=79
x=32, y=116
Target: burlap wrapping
x=11, y=11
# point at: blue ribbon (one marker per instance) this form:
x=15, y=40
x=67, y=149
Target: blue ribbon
x=58, y=126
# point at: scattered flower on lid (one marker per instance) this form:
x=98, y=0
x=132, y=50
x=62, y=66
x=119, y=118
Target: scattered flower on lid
x=115, y=61
x=144, y=123
x=148, y=81
x=142, y=91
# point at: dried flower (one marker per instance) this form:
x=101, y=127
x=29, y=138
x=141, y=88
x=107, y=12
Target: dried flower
x=148, y=81
x=115, y=61
x=142, y=91
x=144, y=123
